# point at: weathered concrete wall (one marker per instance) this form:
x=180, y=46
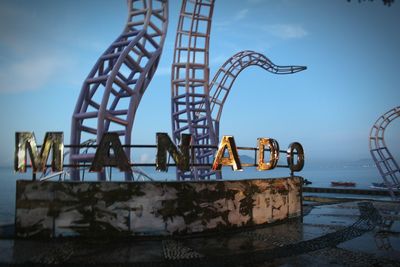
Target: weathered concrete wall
x=47, y=209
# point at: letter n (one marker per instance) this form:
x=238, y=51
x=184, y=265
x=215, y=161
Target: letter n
x=181, y=158
x=26, y=141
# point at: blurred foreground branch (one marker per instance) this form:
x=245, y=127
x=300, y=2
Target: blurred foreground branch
x=385, y=2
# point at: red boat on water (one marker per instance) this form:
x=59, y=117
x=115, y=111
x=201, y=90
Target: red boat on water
x=350, y=184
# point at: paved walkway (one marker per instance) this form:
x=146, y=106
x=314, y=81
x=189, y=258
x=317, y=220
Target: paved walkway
x=357, y=233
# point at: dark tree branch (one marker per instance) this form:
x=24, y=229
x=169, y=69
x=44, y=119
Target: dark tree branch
x=385, y=2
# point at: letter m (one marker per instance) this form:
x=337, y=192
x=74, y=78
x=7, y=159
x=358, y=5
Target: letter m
x=25, y=141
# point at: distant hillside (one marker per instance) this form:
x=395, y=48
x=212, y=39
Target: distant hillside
x=246, y=159
x=360, y=163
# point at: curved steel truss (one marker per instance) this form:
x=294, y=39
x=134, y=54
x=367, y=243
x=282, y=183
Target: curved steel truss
x=384, y=160
x=113, y=89
x=196, y=104
x=226, y=75
x=190, y=81
x=111, y=93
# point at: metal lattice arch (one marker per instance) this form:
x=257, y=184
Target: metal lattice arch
x=111, y=93
x=196, y=103
x=225, y=77
x=384, y=160
x=190, y=81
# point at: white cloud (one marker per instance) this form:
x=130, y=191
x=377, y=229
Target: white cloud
x=90, y=44
x=221, y=24
x=144, y=158
x=163, y=71
x=30, y=73
x=227, y=23
x=242, y=14
x=30, y=59
x=286, y=31
x=218, y=60
x=11, y=36
x=255, y=1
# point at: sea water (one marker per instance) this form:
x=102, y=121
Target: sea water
x=321, y=175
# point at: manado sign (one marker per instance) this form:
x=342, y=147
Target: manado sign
x=226, y=155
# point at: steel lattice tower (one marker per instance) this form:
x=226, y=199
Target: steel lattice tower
x=190, y=81
x=196, y=104
x=384, y=160
x=111, y=93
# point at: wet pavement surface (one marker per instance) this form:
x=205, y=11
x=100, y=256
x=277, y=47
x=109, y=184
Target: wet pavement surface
x=356, y=233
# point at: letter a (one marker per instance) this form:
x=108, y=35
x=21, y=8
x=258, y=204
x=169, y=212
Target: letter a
x=103, y=158
x=227, y=142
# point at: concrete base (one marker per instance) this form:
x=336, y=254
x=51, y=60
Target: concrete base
x=52, y=209
x=343, y=234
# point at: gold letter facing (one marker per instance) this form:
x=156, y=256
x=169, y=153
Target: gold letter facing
x=26, y=141
x=300, y=157
x=181, y=158
x=103, y=156
x=227, y=142
x=273, y=155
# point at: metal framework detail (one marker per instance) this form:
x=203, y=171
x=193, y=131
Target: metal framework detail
x=196, y=105
x=190, y=81
x=111, y=93
x=226, y=75
x=384, y=160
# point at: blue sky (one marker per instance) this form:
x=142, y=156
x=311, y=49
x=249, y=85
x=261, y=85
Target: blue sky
x=48, y=47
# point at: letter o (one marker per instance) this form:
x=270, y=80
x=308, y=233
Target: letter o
x=295, y=146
